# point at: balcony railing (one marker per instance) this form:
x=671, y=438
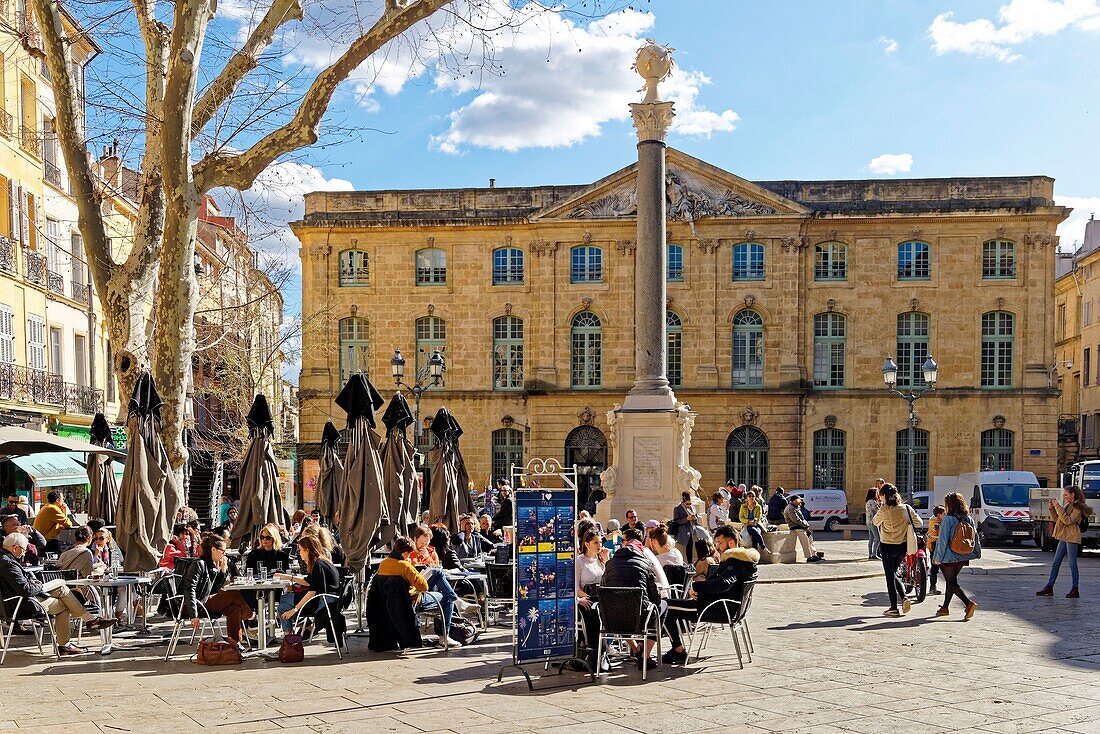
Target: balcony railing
x=7, y=124
x=55, y=282
x=81, y=292
x=53, y=173
x=30, y=141
x=36, y=267
x=24, y=385
x=7, y=254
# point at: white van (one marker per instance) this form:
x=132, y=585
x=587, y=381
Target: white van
x=999, y=503
x=825, y=508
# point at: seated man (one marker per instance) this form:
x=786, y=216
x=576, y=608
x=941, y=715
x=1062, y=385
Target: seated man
x=800, y=528
x=52, y=518
x=36, y=549
x=727, y=582
x=467, y=542
x=630, y=567
x=13, y=508
x=58, y=602
x=486, y=524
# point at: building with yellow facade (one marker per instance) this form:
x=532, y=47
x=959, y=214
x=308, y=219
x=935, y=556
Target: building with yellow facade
x=784, y=300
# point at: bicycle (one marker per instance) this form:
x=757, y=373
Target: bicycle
x=913, y=572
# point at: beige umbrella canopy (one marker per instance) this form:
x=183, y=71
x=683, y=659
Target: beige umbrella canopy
x=331, y=472
x=398, y=472
x=361, y=502
x=16, y=441
x=103, y=498
x=449, y=493
x=260, y=500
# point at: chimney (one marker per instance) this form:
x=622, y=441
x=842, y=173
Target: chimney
x=492, y=183
x=111, y=164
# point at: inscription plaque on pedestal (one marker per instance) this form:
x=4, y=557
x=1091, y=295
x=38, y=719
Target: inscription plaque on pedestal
x=647, y=463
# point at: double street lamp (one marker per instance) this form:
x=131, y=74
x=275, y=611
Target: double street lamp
x=890, y=375
x=431, y=375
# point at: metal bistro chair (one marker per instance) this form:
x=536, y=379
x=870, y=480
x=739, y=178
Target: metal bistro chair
x=9, y=615
x=726, y=613
x=622, y=617
x=175, y=608
x=331, y=603
x=678, y=579
x=90, y=594
x=501, y=588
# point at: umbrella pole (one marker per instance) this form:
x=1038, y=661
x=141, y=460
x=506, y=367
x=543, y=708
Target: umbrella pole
x=360, y=585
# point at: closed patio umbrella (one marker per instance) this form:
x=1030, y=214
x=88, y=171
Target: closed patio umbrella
x=330, y=474
x=260, y=500
x=449, y=493
x=398, y=472
x=361, y=502
x=148, y=496
x=103, y=497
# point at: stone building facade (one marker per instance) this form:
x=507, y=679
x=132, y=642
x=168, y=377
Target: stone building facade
x=784, y=300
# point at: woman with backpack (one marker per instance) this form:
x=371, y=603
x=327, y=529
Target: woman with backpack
x=1068, y=519
x=956, y=546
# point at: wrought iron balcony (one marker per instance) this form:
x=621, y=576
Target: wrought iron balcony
x=30, y=141
x=81, y=292
x=55, y=282
x=39, y=387
x=36, y=267
x=7, y=254
x=53, y=173
x=7, y=124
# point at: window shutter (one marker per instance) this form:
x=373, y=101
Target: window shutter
x=7, y=334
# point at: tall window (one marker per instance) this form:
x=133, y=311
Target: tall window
x=355, y=268
x=675, y=349
x=7, y=334
x=829, y=332
x=80, y=359
x=354, y=347
x=748, y=261
x=431, y=334
x=748, y=349
x=507, y=450
x=507, y=266
x=507, y=353
x=828, y=458
x=920, y=460
x=55, y=351
x=831, y=261
x=997, y=449
x=747, y=456
x=999, y=259
x=913, y=261
x=675, y=264
x=53, y=252
x=997, y=340
x=1086, y=371
x=912, y=348
x=586, y=264
x=431, y=266
x=36, y=342
x=586, y=344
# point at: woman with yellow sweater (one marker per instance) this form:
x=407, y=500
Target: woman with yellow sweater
x=893, y=520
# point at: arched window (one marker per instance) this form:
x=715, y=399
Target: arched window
x=431, y=266
x=675, y=349
x=354, y=268
x=586, y=264
x=830, y=261
x=507, y=450
x=586, y=345
x=829, y=337
x=354, y=347
x=507, y=266
x=912, y=347
x=747, y=456
x=828, y=459
x=675, y=264
x=998, y=335
x=998, y=259
x=920, y=460
x=748, y=261
x=507, y=353
x=431, y=334
x=748, y=349
x=913, y=261
x=998, y=449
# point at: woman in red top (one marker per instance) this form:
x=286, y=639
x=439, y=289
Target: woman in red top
x=424, y=555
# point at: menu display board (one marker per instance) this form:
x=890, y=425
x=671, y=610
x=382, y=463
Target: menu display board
x=546, y=622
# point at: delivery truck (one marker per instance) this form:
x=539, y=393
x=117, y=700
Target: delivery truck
x=1084, y=474
x=998, y=502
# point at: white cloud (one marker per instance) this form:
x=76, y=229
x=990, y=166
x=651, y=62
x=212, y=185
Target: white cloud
x=1071, y=233
x=889, y=45
x=1018, y=21
x=888, y=164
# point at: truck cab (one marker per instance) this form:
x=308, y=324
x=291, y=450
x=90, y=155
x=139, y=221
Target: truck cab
x=1084, y=474
x=999, y=503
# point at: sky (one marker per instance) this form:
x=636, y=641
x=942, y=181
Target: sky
x=766, y=90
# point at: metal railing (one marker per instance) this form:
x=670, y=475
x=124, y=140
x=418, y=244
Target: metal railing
x=55, y=282
x=25, y=385
x=30, y=141
x=36, y=267
x=53, y=173
x=7, y=254
x=7, y=124
x=81, y=292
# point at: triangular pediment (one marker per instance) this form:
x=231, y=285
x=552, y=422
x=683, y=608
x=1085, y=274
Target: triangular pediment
x=694, y=189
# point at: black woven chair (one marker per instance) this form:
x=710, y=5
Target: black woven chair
x=501, y=586
x=726, y=613
x=39, y=622
x=624, y=616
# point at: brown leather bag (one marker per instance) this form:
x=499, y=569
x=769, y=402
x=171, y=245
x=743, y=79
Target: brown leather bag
x=292, y=650
x=217, y=652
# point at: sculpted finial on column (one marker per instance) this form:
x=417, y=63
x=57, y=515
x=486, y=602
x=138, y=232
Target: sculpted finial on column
x=652, y=117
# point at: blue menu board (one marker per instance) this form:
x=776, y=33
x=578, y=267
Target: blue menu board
x=546, y=623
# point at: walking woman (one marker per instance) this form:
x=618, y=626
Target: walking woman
x=1067, y=531
x=949, y=560
x=870, y=508
x=893, y=521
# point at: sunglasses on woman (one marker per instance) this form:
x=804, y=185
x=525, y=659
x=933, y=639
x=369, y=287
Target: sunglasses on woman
x=266, y=537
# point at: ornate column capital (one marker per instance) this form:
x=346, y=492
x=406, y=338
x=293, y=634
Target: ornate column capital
x=543, y=247
x=652, y=120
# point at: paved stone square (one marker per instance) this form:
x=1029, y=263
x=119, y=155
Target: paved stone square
x=827, y=662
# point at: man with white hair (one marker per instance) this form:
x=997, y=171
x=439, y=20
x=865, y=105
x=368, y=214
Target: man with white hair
x=58, y=602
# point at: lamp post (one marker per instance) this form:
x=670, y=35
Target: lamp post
x=1068, y=364
x=429, y=376
x=890, y=375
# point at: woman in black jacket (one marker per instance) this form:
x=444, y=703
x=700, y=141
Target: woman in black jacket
x=268, y=552
x=321, y=578
x=202, y=582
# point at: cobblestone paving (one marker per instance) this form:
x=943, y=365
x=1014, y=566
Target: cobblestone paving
x=827, y=662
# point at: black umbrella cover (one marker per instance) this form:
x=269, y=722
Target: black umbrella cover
x=330, y=436
x=398, y=415
x=445, y=426
x=259, y=416
x=101, y=431
x=360, y=398
x=145, y=400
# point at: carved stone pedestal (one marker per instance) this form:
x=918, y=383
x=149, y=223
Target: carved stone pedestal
x=649, y=462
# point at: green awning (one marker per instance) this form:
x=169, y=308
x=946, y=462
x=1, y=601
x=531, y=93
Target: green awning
x=52, y=469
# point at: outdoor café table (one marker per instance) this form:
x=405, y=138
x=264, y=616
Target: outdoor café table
x=110, y=589
x=266, y=591
x=455, y=576
x=33, y=570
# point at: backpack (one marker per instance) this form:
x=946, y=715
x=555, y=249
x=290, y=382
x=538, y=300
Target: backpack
x=1083, y=523
x=963, y=541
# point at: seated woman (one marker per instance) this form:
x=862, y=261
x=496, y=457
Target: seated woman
x=268, y=552
x=423, y=554
x=178, y=546
x=396, y=589
x=664, y=547
x=752, y=516
x=441, y=543
x=708, y=556
x=79, y=556
x=590, y=565
x=202, y=582
x=321, y=578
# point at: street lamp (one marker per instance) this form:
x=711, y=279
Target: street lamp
x=890, y=376
x=431, y=375
x=1060, y=363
